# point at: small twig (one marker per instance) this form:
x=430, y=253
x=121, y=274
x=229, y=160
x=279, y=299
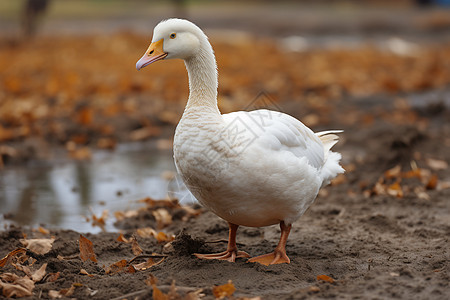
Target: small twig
x=130, y=294
x=182, y=289
x=148, y=256
x=75, y=256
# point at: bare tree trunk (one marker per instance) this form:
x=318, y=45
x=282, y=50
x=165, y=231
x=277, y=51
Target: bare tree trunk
x=33, y=10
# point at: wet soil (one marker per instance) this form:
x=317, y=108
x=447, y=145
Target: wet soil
x=374, y=243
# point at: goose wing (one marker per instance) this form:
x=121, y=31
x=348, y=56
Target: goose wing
x=276, y=131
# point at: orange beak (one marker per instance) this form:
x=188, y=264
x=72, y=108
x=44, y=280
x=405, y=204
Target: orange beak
x=154, y=53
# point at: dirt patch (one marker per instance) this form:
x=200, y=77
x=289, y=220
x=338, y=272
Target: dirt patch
x=379, y=231
x=373, y=243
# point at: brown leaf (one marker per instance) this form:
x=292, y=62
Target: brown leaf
x=151, y=280
x=100, y=221
x=85, y=116
x=135, y=247
x=120, y=215
x=395, y=190
x=325, y=278
x=116, y=267
x=225, y=290
x=22, y=268
x=149, y=263
x=43, y=230
x=415, y=173
x=131, y=269
x=162, y=216
x=39, y=273
x=395, y=172
x=15, y=286
x=162, y=237
x=64, y=292
x=10, y=255
x=146, y=232
x=38, y=246
x=437, y=164
x=121, y=238
x=157, y=293
x=52, y=277
x=53, y=294
x=84, y=272
x=86, y=249
x=432, y=182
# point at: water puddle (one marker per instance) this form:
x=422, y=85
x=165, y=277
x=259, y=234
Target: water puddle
x=59, y=194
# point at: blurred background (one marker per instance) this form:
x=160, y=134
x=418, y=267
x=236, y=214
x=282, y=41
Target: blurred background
x=81, y=131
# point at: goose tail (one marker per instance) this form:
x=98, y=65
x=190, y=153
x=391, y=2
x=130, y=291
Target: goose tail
x=331, y=167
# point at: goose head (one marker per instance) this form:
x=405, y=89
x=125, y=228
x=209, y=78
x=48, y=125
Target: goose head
x=173, y=38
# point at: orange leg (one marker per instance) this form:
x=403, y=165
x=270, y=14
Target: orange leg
x=279, y=255
x=231, y=253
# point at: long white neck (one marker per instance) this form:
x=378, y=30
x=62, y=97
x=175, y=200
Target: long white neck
x=202, y=72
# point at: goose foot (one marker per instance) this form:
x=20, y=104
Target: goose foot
x=279, y=255
x=276, y=257
x=228, y=255
x=231, y=253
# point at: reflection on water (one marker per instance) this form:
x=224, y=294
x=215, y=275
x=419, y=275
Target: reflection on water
x=59, y=194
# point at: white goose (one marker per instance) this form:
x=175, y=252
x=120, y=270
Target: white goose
x=255, y=168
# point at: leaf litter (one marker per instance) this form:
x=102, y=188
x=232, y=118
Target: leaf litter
x=391, y=195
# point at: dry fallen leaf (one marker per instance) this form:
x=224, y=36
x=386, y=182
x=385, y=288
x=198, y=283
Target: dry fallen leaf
x=415, y=173
x=437, y=164
x=162, y=237
x=432, y=182
x=52, y=294
x=84, y=272
x=38, y=246
x=146, y=232
x=15, y=286
x=162, y=217
x=39, y=273
x=22, y=268
x=10, y=255
x=225, y=290
x=100, y=221
x=52, y=277
x=395, y=172
x=86, y=249
x=157, y=293
x=325, y=278
x=43, y=230
x=149, y=263
x=135, y=246
x=121, y=238
x=120, y=215
x=395, y=190
x=64, y=292
x=117, y=267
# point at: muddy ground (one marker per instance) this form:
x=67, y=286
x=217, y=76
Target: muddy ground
x=380, y=231
x=376, y=239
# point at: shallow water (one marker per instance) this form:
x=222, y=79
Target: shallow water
x=61, y=193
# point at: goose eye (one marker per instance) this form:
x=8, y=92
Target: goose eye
x=173, y=35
